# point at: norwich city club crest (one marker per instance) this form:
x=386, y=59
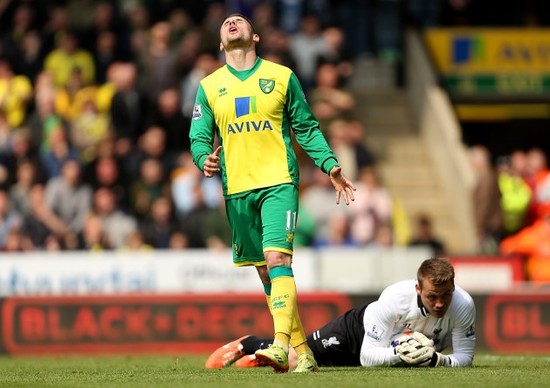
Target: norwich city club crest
x=267, y=85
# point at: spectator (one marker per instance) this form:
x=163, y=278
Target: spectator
x=149, y=186
x=424, y=236
x=277, y=45
x=127, y=108
x=68, y=56
x=15, y=94
x=68, y=197
x=160, y=225
x=44, y=119
x=336, y=53
x=31, y=56
x=338, y=233
x=25, y=178
x=179, y=240
x=16, y=241
x=93, y=237
x=515, y=195
x=318, y=200
x=328, y=99
x=217, y=231
x=151, y=145
x=306, y=46
x=41, y=222
x=60, y=150
x=87, y=129
x=134, y=242
x=340, y=142
x=157, y=62
x=106, y=171
x=57, y=22
x=9, y=219
x=532, y=242
x=194, y=222
x=356, y=134
x=538, y=175
x=373, y=207
x=383, y=237
x=20, y=151
x=189, y=49
x=116, y=224
x=21, y=21
x=105, y=35
x=486, y=201
x=71, y=97
x=167, y=114
x=183, y=179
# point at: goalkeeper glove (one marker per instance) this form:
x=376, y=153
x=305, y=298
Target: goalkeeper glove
x=437, y=359
x=418, y=350
x=413, y=353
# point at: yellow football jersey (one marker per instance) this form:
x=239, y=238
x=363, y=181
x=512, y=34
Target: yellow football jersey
x=253, y=112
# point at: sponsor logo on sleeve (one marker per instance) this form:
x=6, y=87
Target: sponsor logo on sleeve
x=375, y=332
x=197, y=112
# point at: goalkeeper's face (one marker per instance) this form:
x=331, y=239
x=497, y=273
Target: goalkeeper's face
x=436, y=298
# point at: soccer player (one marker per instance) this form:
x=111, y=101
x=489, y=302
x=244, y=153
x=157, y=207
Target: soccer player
x=251, y=106
x=410, y=324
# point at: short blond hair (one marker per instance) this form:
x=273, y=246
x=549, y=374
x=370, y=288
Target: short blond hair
x=438, y=270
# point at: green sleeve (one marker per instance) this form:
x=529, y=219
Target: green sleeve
x=306, y=127
x=202, y=129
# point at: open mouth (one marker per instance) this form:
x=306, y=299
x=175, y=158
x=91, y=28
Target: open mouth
x=233, y=29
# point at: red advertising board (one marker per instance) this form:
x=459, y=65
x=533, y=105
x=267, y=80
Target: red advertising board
x=147, y=323
x=517, y=322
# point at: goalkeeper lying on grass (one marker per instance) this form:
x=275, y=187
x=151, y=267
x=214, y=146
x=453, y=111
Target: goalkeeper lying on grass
x=410, y=324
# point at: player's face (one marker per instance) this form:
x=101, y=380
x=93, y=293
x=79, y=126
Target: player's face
x=436, y=298
x=236, y=32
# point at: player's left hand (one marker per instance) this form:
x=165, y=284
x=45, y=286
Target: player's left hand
x=419, y=351
x=413, y=353
x=343, y=186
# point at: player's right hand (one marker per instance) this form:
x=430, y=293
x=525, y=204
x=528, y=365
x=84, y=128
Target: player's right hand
x=417, y=350
x=211, y=165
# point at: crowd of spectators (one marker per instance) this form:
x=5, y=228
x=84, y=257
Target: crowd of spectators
x=512, y=207
x=95, y=106
x=96, y=99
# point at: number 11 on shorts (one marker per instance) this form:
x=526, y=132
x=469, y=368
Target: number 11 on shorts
x=291, y=218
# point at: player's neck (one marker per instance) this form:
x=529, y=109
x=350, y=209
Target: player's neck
x=241, y=59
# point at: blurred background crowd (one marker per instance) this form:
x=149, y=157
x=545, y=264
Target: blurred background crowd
x=95, y=105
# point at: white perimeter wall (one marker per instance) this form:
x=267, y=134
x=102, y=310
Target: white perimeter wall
x=352, y=271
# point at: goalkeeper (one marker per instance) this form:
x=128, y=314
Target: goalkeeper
x=410, y=324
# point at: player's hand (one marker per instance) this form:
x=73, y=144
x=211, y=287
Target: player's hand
x=414, y=354
x=211, y=165
x=418, y=350
x=401, y=340
x=343, y=186
x=422, y=339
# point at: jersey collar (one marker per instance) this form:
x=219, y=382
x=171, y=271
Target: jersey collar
x=244, y=74
x=423, y=310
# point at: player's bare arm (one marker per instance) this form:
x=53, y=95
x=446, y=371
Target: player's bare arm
x=211, y=165
x=343, y=186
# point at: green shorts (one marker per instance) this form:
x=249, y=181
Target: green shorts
x=263, y=220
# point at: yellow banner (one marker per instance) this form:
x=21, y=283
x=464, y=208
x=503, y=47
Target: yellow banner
x=467, y=51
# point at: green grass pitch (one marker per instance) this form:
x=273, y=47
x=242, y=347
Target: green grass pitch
x=187, y=371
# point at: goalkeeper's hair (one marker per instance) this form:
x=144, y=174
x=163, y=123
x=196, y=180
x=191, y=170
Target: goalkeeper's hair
x=437, y=269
